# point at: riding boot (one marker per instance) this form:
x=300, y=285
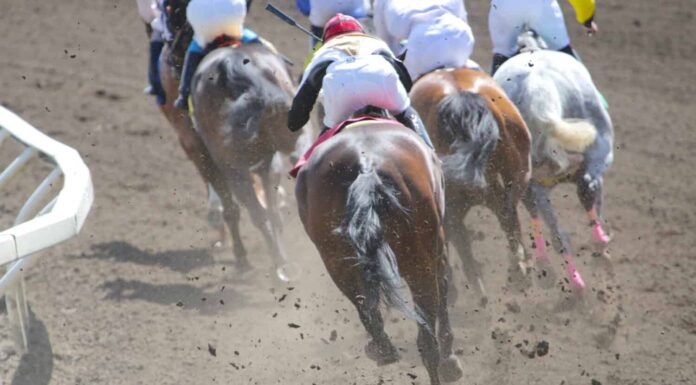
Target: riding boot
x=153, y=73
x=191, y=61
x=498, y=60
x=570, y=51
x=410, y=118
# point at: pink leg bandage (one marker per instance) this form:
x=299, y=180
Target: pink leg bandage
x=598, y=233
x=576, y=280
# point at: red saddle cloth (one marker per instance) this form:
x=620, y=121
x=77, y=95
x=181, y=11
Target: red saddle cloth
x=328, y=135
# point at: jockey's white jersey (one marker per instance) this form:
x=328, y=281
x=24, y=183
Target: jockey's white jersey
x=508, y=18
x=213, y=18
x=343, y=46
x=355, y=82
x=395, y=19
x=321, y=11
x=446, y=42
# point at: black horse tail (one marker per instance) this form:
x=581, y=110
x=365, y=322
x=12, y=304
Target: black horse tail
x=369, y=199
x=473, y=132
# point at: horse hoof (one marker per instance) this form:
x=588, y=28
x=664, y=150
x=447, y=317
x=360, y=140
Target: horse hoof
x=546, y=276
x=382, y=356
x=450, y=369
x=600, y=237
x=288, y=272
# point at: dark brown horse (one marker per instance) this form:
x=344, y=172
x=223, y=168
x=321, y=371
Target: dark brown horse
x=372, y=200
x=170, y=64
x=240, y=99
x=485, y=147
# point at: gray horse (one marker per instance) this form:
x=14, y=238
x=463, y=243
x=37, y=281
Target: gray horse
x=572, y=138
x=240, y=98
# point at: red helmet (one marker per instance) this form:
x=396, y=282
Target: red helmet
x=340, y=24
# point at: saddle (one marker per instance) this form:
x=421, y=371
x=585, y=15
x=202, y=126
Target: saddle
x=365, y=115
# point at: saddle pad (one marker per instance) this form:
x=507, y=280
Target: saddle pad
x=353, y=122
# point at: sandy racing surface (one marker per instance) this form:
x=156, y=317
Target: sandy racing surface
x=140, y=298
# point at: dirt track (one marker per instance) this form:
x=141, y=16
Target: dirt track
x=106, y=303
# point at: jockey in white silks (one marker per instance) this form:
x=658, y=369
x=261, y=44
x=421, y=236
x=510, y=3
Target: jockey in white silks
x=508, y=18
x=436, y=33
x=320, y=12
x=151, y=12
x=215, y=23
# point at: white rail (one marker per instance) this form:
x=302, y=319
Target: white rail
x=37, y=228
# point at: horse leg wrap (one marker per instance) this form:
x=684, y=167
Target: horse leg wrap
x=576, y=280
x=600, y=236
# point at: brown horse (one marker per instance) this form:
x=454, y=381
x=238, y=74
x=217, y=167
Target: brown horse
x=485, y=147
x=372, y=200
x=170, y=63
x=240, y=99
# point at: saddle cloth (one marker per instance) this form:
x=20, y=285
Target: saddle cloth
x=328, y=135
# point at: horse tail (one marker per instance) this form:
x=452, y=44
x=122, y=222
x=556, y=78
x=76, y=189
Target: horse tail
x=572, y=134
x=369, y=198
x=466, y=119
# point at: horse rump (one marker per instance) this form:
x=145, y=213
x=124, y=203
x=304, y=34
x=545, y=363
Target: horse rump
x=465, y=120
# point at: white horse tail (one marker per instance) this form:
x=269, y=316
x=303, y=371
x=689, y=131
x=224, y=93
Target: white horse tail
x=572, y=134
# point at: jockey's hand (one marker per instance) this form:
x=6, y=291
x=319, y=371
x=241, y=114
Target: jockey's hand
x=591, y=28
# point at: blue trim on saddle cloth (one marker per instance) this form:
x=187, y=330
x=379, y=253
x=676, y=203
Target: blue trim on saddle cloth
x=248, y=36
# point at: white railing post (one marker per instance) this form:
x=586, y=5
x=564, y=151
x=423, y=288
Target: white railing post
x=58, y=221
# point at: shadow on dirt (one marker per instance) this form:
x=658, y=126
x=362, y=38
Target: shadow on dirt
x=182, y=261
x=35, y=366
x=209, y=300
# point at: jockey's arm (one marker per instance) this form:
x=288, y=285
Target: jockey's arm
x=584, y=11
x=400, y=69
x=306, y=96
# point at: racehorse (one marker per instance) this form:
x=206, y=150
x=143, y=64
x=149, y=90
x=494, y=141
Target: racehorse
x=371, y=199
x=572, y=139
x=170, y=63
x=485, y=147
x=240, y=99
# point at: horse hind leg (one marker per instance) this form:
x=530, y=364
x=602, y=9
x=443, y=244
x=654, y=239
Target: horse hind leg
x=426, y=297
x=450, y=368
x=241, y=183
x=560, y=239
x=270, y=181
x=459, y=236
x=216, y=218
x=505, y=209
x=546, y=274
x=591, y=200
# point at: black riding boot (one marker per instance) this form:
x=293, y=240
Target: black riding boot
x=498, y=60
x=410, y=118
x=191, y=62
x=570, y=51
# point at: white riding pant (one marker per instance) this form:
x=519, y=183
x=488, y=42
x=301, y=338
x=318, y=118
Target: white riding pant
x=360, y=81
x=213, y=18
x=395, y=19
x=446, y=41
x=508, y=18
x=321, y=11
x=146, y=10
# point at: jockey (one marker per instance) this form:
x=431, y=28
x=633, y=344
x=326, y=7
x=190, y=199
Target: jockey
x=507, y=18
x=320, y=11
x=355, y=71
x=215, y=23
x=437, y=32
